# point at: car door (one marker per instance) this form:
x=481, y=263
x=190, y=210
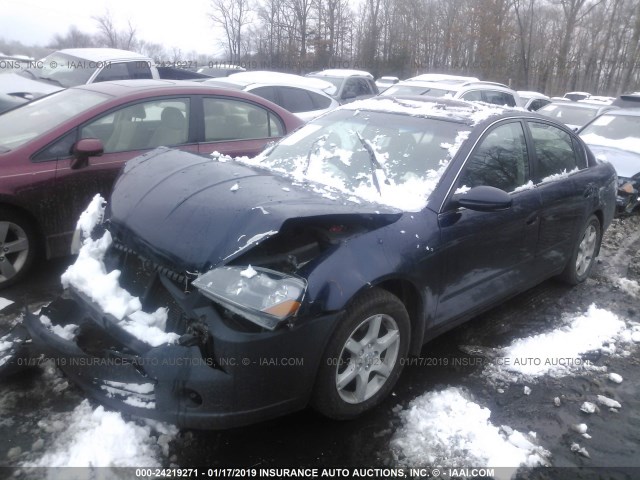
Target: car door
x=489, y=255
x=564, y=188
x=125, y=132
x=236, y=127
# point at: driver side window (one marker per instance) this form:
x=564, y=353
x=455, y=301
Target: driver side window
x=500, y=160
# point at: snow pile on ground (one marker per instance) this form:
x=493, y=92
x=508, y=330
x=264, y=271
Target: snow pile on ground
x=97, y=438
x=632, y=287
x=5, y=302
x=89, y=275
x=447, y=428
x=559, y=352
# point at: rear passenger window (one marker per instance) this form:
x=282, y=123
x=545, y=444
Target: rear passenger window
x=554, y=151
x=268, y=93
x=475, y=96
x=226, y=119
x=113, y=71
x=499, y=98
x=320, y=102
x=499, y=161
x=296, y=100
x=139, y=70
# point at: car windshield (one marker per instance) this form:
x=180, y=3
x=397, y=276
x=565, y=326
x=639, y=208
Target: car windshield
x=63, y=70
x=569, y=114
x=31, y=120
x=618, y=131
x=381, y=157
x=415, y=90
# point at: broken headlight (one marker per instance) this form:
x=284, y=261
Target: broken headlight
x=260, y=295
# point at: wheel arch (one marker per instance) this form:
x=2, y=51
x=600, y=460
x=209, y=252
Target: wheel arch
x=410, y=296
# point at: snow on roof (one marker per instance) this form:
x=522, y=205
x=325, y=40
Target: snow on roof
x=102, y=54
x=343, y=72
x=437, y=77
x=473, y=112
x=278, y=78
x=531, y=93
x=448, y=427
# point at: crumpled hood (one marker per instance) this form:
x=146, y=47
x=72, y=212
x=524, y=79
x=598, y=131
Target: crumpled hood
x=198, y=213
x=627, y=164
x=14, y=84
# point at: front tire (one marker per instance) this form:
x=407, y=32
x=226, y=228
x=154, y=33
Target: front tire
x=584, y=253
x=363, y=359
x=17, y=247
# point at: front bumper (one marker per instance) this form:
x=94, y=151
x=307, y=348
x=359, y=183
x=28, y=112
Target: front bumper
x=251, y=376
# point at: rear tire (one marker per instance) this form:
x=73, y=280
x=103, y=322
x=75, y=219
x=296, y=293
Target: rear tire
x=584, y=253
x=18, y=246
x=364, y=357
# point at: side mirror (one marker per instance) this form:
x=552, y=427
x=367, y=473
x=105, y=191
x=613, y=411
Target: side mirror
x=85, y=148
x=484, y=199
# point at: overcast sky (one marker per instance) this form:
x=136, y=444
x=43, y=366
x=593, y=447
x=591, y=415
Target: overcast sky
x=184, y=24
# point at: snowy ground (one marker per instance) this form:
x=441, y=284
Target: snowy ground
x=549, y=379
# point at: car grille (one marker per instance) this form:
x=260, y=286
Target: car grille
x=140, y=277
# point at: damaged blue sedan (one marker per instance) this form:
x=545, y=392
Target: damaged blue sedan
x=213, y=293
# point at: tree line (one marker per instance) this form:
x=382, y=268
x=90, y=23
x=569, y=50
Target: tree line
x=548, y=45
x=551, y=46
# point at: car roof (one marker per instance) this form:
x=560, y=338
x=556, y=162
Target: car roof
x=441, y=77
x=278, y=78
x=532, y=94
x=102, y=54
x=342, y=72
x=461, y=111
x=624, y=112
x=577, y=105
x=627, y=99
x=131, y=89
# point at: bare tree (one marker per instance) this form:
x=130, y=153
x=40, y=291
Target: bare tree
x=74, y=38
x=108, y=33
x=232, y=16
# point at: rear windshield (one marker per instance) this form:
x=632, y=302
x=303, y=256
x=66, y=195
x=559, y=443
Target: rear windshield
x=33, y=119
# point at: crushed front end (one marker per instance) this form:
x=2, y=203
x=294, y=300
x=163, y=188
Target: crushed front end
x=220, y=371
x=139, y=337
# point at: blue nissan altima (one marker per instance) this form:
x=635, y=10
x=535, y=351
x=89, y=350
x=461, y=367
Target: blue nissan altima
x=308, y=274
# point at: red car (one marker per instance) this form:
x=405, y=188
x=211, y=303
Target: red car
x=57, y=152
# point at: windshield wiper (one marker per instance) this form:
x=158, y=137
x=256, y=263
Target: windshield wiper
x=315, y=144
x=374, y=163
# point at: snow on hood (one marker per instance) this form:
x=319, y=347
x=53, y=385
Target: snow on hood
x=183, y=208
x=624, y=154
x=14, y=84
